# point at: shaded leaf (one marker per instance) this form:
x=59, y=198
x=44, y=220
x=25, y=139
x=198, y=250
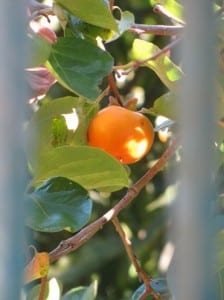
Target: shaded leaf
x=138, y=293
x=79, y=65
x=58, y=204
x=37, y=268
x=166, y=70
x=94, y=12
x=159, y=285
x=82, y=293
x=164, y=106
x=91, y=167
x=79, y=28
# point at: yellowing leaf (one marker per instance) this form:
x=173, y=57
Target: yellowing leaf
x=37, y=268
x=166, y=70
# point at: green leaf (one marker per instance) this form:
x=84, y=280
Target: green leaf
x=47, y=129
x=82, y=293
x=166, y=70
x=164, y=106
x=79, y=28
x=138, y=293
x=127, y=19
x=94, y=12
x=91, y=167
x=39, y=51
x=53, y=291
x=58, y=204
x=79, y=65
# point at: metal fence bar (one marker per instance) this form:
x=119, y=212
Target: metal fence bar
x=192, y=276
x=12, y=162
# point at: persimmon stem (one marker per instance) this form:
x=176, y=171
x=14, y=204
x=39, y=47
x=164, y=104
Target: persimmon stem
x=80, y=238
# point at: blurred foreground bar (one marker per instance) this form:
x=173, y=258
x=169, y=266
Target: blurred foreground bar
x=12, y=163
x=191, y=271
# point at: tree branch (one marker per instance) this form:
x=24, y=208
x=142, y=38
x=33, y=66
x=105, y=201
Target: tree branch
x=80, y=238
x=168, y=30
x=158, y=8
x=114, y=89
x=128, y=247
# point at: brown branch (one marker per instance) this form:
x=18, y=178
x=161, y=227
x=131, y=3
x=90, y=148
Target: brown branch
x=161, y=10
x=80, y=238
x=43, y=286
x=128, y=247
x=168, y=30
x=111, y=3
x=114, y=89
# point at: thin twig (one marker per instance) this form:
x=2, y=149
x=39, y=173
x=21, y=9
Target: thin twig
x=158, y=8
x=80, y=238
x=128, y=247
x=168, y=30
x=137, y=63
x=111, y=3
x=103, y=94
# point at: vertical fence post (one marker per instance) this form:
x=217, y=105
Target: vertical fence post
x=12, y=163
x=192, y=278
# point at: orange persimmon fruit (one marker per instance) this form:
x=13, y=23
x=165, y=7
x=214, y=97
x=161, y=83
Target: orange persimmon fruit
x=126, y=135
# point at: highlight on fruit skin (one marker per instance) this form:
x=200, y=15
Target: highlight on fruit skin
x=126, y=135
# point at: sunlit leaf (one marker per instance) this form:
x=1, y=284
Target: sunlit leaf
x=79, y=65
x=166, y=70
x=58, y=204
x=91, y=167
x=91, y=11
x=54, y=123
x=37, y=268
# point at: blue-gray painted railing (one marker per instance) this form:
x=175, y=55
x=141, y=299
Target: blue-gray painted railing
x=192, y=266
x=12, y=163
